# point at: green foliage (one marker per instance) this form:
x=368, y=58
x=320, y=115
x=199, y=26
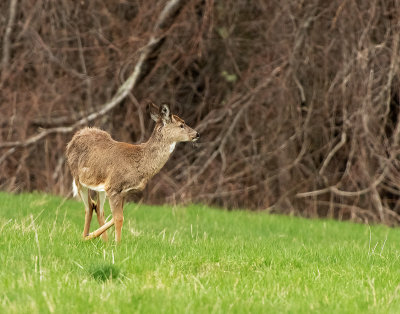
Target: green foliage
x=104, y=271
x=192, y=259
x=231, y=78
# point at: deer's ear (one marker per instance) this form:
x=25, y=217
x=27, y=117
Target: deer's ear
x=153, y=110
x=165, y=113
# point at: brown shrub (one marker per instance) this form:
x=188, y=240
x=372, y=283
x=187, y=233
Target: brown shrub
x=289, y=97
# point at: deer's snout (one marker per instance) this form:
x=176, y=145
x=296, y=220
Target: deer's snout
x=196, y=137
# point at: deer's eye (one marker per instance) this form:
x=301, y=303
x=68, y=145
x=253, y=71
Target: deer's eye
x=182, y=126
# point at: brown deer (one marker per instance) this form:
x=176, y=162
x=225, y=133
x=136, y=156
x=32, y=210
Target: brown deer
x=112, y=169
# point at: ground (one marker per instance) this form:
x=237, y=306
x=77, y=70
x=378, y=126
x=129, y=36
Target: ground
x=192, y=259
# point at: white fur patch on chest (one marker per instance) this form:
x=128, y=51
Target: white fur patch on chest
x=172, y=147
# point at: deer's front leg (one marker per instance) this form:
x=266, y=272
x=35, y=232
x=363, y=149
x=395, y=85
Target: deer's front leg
x=117, y=209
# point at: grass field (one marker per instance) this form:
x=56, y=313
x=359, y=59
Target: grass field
x=192, y=259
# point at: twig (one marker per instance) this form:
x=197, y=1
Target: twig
x=216, y=151
x=335, y=190
x=7, y=153
x=39, y=41
x=141, y=119
x=333, y=152
x=88, y=81
x=6, y=39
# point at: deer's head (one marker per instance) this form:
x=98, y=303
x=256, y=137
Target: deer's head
x=171, y=127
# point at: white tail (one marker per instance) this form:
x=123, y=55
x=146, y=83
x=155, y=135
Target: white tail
x=74, y=188
x=112, y=169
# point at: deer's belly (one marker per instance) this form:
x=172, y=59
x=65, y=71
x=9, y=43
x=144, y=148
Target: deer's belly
x=92, y=180
x=99, y=188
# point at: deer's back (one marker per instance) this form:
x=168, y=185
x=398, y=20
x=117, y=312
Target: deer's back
x=89, y=148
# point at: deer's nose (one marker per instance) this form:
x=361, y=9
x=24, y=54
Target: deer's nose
x=197, y=135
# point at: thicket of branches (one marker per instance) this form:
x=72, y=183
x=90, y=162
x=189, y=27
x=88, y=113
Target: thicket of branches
x=297, y=102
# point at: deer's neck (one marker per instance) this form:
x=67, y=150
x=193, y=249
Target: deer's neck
x=156, y=152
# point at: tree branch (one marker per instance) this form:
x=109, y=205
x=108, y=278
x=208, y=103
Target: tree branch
x=164, y=21
x=6, y=40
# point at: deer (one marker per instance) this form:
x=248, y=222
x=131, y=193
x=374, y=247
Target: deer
x=112, y=169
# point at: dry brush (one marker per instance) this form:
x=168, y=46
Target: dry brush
x=297, y=102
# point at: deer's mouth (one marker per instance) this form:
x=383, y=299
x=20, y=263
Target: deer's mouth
x=196, y=137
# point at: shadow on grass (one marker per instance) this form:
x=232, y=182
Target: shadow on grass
x=103, y=272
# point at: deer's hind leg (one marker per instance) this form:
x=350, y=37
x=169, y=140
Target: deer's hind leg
x=85, y=196
x=101, y=198
x=117, y=209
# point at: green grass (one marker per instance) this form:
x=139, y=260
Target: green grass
x=192, y=259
